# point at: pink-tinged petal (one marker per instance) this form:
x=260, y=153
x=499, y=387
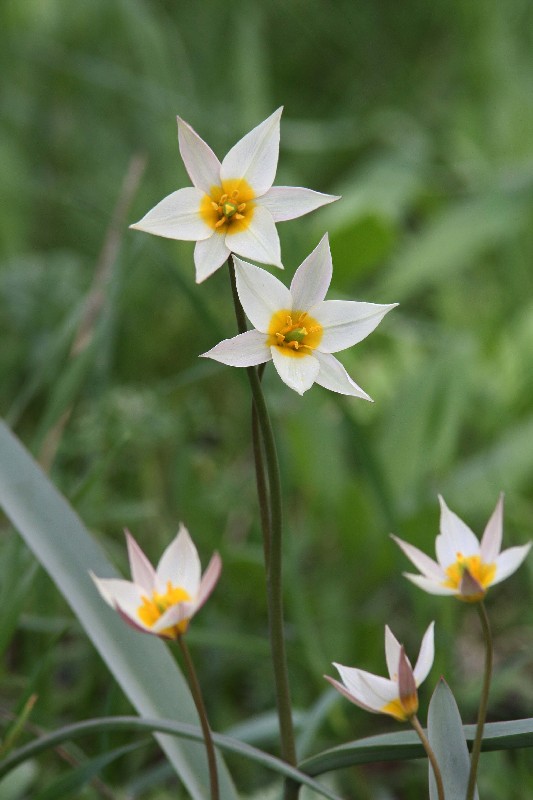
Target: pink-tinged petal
x=349, y=696
x=392, y=653
x=298, y=373
x=209, y=255
x=180, y=565
x=509, y=561
x=245, y=350
x=200, y=162
x=372, y=690
x=456, y=537
x=491, y=541
x=177, y=217
x=469, y=588
x=289, y=202
x=429, y=585
x=426, y=655
x=261, y=294
x=425, y=564
x=407, y=685
x=209, y=581
x=117, y=592
x=142, y=571
x=255, y=156
x=259, y=241
x=334, y=377
x=346, y=322
x=312, y=278
x=134, y=622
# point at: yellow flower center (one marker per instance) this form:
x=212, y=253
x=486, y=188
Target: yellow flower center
x=294, y=332
x=229, y=208
x=401, y=710
x=154, y=607
x=481, y=572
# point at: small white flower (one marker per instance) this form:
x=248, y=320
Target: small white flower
x=465, y=567
x=163, y=600
x=232, y=207
x=396, y=695
x=296, y=328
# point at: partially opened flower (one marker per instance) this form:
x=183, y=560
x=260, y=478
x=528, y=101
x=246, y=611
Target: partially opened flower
x=396, y=695
x=296, y=328
x=465, y=567
x=162, y=601
x=232, y=206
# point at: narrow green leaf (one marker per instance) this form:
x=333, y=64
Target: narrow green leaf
x=190, y=732
x=447, y=740
x=141, y=664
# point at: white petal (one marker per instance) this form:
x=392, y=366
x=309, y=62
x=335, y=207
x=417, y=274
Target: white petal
x=382, y=689
x=392, y=653
x=255, y=156
x=429, y=585
x=347, y=322
x=509, y=561
x=312, y=278
x=426, y=655
x=260, y=240
x=245, y=350
x=456, y=537
x=425, y=564
x=289, y=202
x=173, y=616
x=142, y=571
x=361, y=686
x=117, y=592
x=209, y=581
x=299, y=373
x=349, y=696
x=209, y=255
x=180, y=565
x=491, y=541
x=200, y=162
x=334, y=377
x=177, y=217
x=261, y=294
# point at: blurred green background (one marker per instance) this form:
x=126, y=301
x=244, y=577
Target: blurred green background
x=421, y=116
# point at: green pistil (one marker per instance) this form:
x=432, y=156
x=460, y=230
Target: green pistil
x=229, y=209
x=297, y=335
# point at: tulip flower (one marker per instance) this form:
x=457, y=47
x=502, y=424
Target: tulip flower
x=465, y=568
x=296, y=328
x=162, y=601
x=232, y=206
x=396, y=695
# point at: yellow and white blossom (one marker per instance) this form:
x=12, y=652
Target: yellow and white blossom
x=232, y=206
x=396, y=695
x=162, y=601
x=296, y=328
x=465, y=568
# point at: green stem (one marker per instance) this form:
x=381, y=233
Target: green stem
x=202, y=714
x=483, y=701
x=271, y=518
x=430, y=754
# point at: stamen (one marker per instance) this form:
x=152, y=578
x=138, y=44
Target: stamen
x=238, y=216
x=234, y=194
x=223, y=199
x=221, y=222
x=214, y=205
x=241, y=207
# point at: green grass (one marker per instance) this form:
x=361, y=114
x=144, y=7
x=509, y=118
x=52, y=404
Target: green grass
x=420, y=116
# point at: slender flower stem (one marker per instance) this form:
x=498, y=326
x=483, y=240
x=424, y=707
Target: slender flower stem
x=196, y=692
x=271, y=519
x=484, y=699
x=430, y=754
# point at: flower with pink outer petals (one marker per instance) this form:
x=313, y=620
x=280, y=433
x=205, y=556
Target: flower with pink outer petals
x=232, y=206
x=396, y=695
x=162, y=601
x=465, y=568
x=296, y=328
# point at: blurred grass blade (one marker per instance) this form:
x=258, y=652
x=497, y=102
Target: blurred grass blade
x=447, y=740
x=190, y=732
x=404, y=745
x=141, y=664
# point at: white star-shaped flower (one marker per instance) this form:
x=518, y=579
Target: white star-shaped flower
x=162, y=601
x=396, y=695
x=296, y=328
x=232, y=206
x=465, y=568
